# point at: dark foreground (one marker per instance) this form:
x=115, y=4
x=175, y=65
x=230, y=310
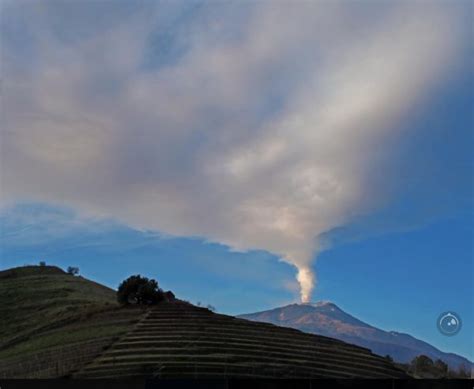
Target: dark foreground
x=236, y=384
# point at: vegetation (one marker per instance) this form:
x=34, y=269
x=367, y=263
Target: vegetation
x=423, y=366
x=208, y=306
x=72, y=270
x=139, y=290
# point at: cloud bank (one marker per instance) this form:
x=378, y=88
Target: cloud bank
x=256, y=125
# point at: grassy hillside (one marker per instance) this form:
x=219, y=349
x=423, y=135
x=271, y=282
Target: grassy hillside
x=49, y=315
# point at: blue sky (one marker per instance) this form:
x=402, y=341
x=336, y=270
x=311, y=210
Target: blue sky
x=247, y=155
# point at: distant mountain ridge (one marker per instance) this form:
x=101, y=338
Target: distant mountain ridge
x=326, y=318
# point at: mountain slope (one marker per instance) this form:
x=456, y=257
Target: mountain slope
x=53, y=320
x=326, y=318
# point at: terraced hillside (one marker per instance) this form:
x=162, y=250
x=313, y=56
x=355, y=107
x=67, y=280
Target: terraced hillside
x=53, y=322
x=178, y=340
x=58, y=325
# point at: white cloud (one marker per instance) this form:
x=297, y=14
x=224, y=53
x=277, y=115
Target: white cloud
x=260, y=135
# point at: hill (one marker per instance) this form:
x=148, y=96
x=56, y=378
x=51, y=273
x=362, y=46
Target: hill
x=326, y=318
x=60, y=325
x=52, y=321
x=179, y=340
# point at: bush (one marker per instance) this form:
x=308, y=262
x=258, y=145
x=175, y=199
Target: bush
x=139, y=290
x=424, y=367
x=72, y=270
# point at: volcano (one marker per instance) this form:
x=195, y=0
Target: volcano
x=327, y=319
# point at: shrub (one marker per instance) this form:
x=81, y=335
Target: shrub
x=72, y=270
x=139, y=290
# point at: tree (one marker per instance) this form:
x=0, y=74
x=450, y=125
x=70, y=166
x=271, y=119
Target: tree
x=139, y=290
x=441, y=368
x=422, y=366
x=463, y=372
x=42, y=263
x=72, y=270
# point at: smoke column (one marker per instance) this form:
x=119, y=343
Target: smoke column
x=258, y=126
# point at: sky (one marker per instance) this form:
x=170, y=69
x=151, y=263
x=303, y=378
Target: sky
x=247, y=154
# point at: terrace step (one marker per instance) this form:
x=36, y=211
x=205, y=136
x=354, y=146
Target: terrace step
x=246, y=333
x=203, y=348
x=176, y=368
x=230, y=344
x=230, y=359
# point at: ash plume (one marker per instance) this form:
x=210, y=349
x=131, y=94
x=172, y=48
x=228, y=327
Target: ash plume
x=258, y=126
